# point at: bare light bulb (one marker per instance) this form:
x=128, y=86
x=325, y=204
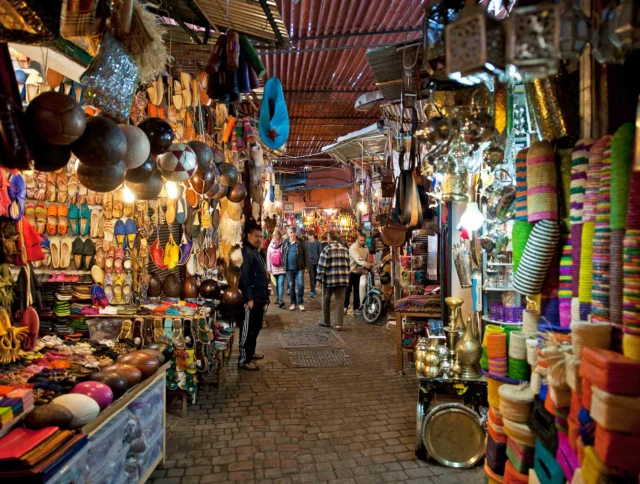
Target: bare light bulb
x=362, y=207
x=472, y=218
x=278, y=204
x=127, y=195
x=172, y=189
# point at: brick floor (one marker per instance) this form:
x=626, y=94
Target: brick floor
x=287, y=425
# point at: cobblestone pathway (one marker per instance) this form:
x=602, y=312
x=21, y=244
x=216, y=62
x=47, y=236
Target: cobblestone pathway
x=282, y=425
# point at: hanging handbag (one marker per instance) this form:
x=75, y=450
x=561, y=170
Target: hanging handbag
x=387, y=183
x=14, y=152
x=394, y=234
x=411, y=208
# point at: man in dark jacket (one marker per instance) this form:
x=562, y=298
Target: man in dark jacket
x=295, y=259
x=255, y=294
x=314, y=248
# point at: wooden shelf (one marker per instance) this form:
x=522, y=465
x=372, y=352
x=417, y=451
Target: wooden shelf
x=499, y=289
x=505, y=323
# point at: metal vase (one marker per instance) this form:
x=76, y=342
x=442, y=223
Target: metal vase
x=469, y=352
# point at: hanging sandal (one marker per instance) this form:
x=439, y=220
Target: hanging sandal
x=41, y=182
x=148, y=331
x=108, y=287
x=74, y=219
x=82, y=194
x=85, y=219
x=157, y=254
x=63, y=221
x=170, y=215
x=168, y=328
x=186, y=246
x=138, y=334
x=52, y=219
x=76, y=251
x=61, y=182
x=107, y=206
x=41, y=218
x=51, y=186
x=127, y=288
x=72, y=189
x=96, y=215
x=206, y=215
x=158, y=330
x=120, y=232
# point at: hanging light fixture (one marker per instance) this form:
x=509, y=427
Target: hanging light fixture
x=575, y=30
x=605, y=51
x=472, y=218
x=127, y=195
x=474, y=46
x=533, y=40
x=172, y=189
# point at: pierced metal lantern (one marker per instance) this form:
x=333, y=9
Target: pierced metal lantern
x=626, y=20
x=533, y=41
x=474, y=46
x=575, y=30
x=604, y=50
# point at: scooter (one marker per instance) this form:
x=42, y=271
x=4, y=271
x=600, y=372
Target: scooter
x=373, y=300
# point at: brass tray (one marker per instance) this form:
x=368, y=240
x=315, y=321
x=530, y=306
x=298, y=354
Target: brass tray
x=453, y=436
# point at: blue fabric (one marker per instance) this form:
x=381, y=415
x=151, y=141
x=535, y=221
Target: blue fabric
x=296, y=278
x=274, y=118
x=292, y=257
x=280, y=286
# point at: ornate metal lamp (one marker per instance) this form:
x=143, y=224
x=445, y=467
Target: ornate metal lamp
x=533, y=40
x=575, y=30
x=604, y=50
x=474, y=46
x=626, y=20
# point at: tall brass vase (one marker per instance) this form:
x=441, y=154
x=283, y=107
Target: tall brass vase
x=469, y=352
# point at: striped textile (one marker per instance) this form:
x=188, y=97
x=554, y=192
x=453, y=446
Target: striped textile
x=602, y=243
x=521, y=184
x=542, y=190
x=538, y=252
x=566, y=278
x=593, y=183
x=579, y=165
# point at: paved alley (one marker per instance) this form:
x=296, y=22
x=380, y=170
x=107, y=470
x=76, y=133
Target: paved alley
x=347, y=424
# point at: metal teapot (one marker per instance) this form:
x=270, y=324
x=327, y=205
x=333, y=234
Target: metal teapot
x=500, y=199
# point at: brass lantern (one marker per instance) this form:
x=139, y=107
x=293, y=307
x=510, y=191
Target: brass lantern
x=474, y=46
x=533, y=41
x=575, y=30
x=626, y=20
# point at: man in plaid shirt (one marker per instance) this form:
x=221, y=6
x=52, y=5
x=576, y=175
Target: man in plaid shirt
x=333, y=273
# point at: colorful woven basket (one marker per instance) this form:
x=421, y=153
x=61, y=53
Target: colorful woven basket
x=542, y=189
x=616, y=275
x=565, y=184
x=586, y=269
x=602, y=242
x=579, y=165
x=519, y=236
x=621, y=156
x=521, y=184
x=566, y=279
x=593, y=179
x=538, y=253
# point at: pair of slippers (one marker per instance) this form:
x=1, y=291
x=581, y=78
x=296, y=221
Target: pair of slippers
x=84, y=253
x=80, y=219
x=60, y=249
x=176, y=211
x=58, y=187
x=57, y=219
x=118, y=288
x=37, y=186
x=125, y=233
x=17, y=194
x=118, y=260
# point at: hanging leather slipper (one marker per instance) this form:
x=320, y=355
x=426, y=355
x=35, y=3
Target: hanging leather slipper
x=107, y=206
x=97, y=275
x=206, y=215
x=88, y=254
x=52, y=219
x=63, y=221
x=108, y=287
x=120, y=232
x=110, y=260
x=72, y=189
x=74, y=219
x=54, y=247
x=65, y=252
x=41, y=218
x=17, y=194
x=41, y=191
x=181, y=211
x=130, y=230
x=62, y=181
x=157, y=254
x=85, y=219
x=51, y=186
x=170, y=215
x=186, y=246
x=96, y=215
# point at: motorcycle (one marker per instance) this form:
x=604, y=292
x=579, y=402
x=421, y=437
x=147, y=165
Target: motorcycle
x=373, y=302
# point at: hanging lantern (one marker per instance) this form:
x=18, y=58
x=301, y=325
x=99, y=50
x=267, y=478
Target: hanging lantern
x=626, y=20
x=455, y=182
x=575, y=30
x=474, y=46
x=604, y=50
x=533, y=41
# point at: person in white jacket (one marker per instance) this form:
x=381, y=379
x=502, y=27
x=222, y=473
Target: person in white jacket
x=359, y=260
x=275, y=265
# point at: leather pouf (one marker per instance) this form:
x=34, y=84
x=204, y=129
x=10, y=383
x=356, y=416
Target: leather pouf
x=48, y=157
x=104, y=179
x=138, y=146
x=210, y=289
x=165, y=348
x=204, y=154
x=218, y=156
x=49, y=415
x=155, y=285
x=103, y=144
x=172, y=286
x=56, y=118
x=237, y=193
x=148, y=189
x=160, y=134
x=229, y=174
x=146, y=363
x=190, y=288
x=143, y=172
x=114, y=380
x=155, y=353
x=131, y=373
x=232, y=297
x=100, y=392
x=220, y=193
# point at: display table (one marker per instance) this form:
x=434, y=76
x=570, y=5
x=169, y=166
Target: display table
x=473, y=393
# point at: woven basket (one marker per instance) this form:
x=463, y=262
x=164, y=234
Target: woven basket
x=538, y=253
x=579, y=165
x=521, y=184
x=519, y=236
x=613, y=412
x=616, y=275
x=593, y=179
x=515, y=402
x=586, y=262
x=519, y=432
x=565, y=185
x=621, y=156
x=542, y=190
x=592, y=335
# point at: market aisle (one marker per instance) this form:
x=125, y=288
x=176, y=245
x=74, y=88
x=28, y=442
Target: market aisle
x=351, y=424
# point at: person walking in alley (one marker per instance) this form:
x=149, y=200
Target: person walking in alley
x=313, y=249
x=333, y=274
x=255, y=293
x=358, y=255
x=296, y=261
x=275, y=265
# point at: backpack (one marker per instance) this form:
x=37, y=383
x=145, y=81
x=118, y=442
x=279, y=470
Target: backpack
x=276, y=257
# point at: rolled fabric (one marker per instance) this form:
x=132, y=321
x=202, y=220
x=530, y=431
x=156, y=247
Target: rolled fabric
x=538, y=253
x=252, y=56
x=542, y=190
x=521, y=184
x=621, y=156
x=519, y=235
x=602, y=242
x=586, y=269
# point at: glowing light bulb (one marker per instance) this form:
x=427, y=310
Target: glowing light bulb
x=172, y=189
x=128, y=195
x=362, y=207
x=472, y=218
x=277, y=204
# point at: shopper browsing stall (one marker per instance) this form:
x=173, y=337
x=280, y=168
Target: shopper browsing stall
x=255, y=292
x=296, y=260
x=333, y=273
x=358, y=255
x=314, y=248
x=275, y=265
